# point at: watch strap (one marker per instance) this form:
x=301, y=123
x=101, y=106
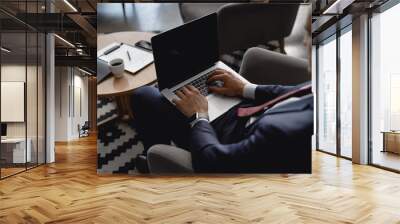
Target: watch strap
x=199, y=117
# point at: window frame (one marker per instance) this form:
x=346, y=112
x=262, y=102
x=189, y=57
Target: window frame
x=333, y=37
x=380, y=9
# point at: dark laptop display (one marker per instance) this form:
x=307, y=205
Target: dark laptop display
x=183, y=52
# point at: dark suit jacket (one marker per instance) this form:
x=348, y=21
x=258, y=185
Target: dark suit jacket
x=279, y=141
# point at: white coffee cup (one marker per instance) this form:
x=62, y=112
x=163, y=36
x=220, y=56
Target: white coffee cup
x=117, y=67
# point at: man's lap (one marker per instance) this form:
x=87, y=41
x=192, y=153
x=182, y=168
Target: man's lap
x=160, y=122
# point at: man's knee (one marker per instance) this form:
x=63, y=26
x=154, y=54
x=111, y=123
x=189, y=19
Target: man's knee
x=141, y=94
x=144, y=95
x=143, y=98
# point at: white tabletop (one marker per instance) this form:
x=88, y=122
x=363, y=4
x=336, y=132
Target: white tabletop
x=13, y=140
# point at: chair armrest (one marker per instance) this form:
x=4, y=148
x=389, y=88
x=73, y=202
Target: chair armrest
x=262, y=66
x=169, y=159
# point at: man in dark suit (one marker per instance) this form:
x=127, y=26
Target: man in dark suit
x=270, y=131
x=272, y=141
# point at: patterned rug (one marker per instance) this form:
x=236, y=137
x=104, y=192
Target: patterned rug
x=117, y=141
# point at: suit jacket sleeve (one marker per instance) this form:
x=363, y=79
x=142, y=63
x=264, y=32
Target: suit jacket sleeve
x=268, y=92
x=209, y=155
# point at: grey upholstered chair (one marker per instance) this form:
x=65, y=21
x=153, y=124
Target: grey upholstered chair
x=191, y=11
x=245, y=25
x=259, y=66
x=241, y=26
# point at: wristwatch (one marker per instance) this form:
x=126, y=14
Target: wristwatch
x=197, y=117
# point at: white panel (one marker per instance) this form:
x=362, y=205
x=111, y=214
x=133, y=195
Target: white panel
x=360, y=90
x=50, y=80
x=12, y=101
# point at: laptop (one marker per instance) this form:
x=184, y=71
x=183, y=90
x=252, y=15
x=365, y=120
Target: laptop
x=188, y=54
x=103, y=70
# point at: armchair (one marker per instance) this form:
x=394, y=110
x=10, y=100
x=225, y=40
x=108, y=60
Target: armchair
x=260, y=22
x=84, y=129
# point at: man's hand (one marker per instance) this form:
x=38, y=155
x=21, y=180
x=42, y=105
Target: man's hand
x=191, y=101
x=232, y=85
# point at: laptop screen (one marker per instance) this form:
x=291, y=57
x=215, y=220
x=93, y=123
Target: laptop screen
x=183, y=52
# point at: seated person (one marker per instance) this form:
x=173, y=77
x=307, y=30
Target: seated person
x=232, y=142
x=275, y=137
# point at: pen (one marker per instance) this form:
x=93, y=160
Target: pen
x=129, y=56
x=112, y=49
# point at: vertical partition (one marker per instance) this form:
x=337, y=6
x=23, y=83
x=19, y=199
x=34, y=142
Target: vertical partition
x=15, y=149
x=22, y=88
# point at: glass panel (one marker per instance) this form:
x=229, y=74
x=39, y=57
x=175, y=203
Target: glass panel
x=13, y=86
x=31, y=98
x=327, y=96
x=32, y=88
x=385, y=89
x=41, y=98
x=346, y=94
x=313, y=80
x=23, y=82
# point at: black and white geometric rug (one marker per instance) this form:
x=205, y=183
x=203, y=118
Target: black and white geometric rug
x=117, y=141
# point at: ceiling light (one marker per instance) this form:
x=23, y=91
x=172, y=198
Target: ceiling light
x=70, y=5
x=337, y=7
x=5, y=50
x=64, y=40
x=86, y=72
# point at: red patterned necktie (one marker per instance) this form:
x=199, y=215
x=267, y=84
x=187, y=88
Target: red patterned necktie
x=250, y=111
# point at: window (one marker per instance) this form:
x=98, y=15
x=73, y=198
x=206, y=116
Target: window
x=334, y=106
x=327, y=96
x=385, y=89
x=346, y=92
x=22, y=76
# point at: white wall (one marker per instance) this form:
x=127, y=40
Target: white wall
x=33, y=126
x=69, y=82
x=14, y=73
x=62, y=81
x=79, y=118
x=13, y=101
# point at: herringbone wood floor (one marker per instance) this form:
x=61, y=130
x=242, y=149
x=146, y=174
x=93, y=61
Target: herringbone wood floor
x=70, y=191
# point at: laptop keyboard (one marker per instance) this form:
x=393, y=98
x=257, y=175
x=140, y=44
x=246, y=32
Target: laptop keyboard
x=200, y=84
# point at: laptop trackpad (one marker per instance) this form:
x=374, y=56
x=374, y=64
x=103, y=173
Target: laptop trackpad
x=218, y=105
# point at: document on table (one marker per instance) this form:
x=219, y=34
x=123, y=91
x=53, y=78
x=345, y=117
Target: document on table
x=134, y=58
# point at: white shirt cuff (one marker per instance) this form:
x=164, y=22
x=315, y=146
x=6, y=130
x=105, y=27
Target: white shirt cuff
x=193, y=123
x=249, y=91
